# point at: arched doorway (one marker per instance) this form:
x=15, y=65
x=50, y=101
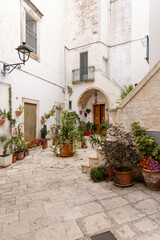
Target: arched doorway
x=97, y=101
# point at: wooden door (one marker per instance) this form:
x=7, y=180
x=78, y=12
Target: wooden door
x=97, y=117
x=30, y=121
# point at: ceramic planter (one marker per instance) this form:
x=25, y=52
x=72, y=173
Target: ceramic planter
x=110, y=173
x=14, y=158
x=2, y=121
x=18, y=113
x=44, y=146
x=26, y=153
x=49, y=143
x=66, y=150
x=152, y=179
x=20, y=155
x=5, y=161
x=123, y=178
x=86, y=133
x=43, y=121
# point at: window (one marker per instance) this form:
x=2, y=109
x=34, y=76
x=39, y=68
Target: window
x=31, y=33
x=58, y=116
x=30, y=27
x=84, y=66
x=70, y=105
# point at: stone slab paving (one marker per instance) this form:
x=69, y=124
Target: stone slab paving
x=48, y=198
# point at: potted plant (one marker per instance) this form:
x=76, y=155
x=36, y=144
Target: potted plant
x=150, y=156
x=88, y=110
x=5, y=159
x=88, y=128
x=30, y=145
x=151, y=172
x=26, y=151
x=84, y=145
x=43, y=136
x=19, y=142
x=66, y=135
x=3, y=116
x=42, y=120
x=120, y=153
x=19, y=110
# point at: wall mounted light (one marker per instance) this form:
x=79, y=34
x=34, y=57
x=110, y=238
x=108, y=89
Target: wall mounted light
x=23, y=53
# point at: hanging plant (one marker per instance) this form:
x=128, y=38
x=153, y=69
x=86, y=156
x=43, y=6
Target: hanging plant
x=19, y=110
x=3, y=116
x=88, y=110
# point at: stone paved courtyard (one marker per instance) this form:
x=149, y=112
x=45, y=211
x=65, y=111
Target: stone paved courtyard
x=48, y=198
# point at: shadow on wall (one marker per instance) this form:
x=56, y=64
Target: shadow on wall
x=155, y=135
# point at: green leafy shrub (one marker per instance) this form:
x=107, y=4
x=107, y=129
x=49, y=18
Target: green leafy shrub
x=124, y=92
x=147, y=146
x=98, y=174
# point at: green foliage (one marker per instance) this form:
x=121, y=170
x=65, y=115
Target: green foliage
x=12, y=120
x=96, y=141
x=98, y=174
x=6, y=142
x=44, y=132
x=20, y=108
x=67, y=131
x=146, y=144
x=125, y=92
x=3, y=114
x=18, y=139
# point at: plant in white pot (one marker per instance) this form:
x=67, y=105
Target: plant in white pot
x=5, y=159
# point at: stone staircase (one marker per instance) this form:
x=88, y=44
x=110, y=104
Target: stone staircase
x=94, y=161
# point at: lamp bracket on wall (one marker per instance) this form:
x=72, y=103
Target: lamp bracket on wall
x=23, y=53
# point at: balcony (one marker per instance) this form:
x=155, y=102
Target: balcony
x=81, y=75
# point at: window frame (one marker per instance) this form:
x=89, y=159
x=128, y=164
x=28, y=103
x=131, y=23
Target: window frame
x=28, y=7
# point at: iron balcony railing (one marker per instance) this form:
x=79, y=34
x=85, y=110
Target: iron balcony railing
x=83, y=74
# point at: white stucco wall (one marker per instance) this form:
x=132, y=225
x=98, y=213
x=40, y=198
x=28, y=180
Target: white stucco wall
x=154, y=32
x=129, y=24
x=44, y=80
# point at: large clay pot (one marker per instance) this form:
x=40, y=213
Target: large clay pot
x=152, y=179
x=66, y=150
x=18, y=113
x=2, y=121
x=20, y=155
x=123, y=177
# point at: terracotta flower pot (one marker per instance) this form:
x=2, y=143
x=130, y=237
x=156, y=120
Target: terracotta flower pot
x=14, y=158
x=152, y=179
x=43, y=121
x=123, y=177
x=86, y=133
x=18, y=113
x=44, y=146
x=2, y=121
x=29, y=147
x=54, y=141
x=110, y=173
x=20, y=155
x=26, y=153
x=39, y=144
x=66, y=150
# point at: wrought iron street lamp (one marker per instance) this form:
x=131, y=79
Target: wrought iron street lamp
x=24, y=54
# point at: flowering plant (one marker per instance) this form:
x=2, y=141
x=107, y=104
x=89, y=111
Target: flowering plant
x=150, y=164
x=18, y=139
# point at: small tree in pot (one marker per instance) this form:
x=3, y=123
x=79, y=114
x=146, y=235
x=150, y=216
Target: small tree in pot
x=5, y=159
x=120, y=153
x=66, y=135
x=43, y=136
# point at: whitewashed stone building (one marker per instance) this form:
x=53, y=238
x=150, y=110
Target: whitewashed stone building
x=84, y=52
